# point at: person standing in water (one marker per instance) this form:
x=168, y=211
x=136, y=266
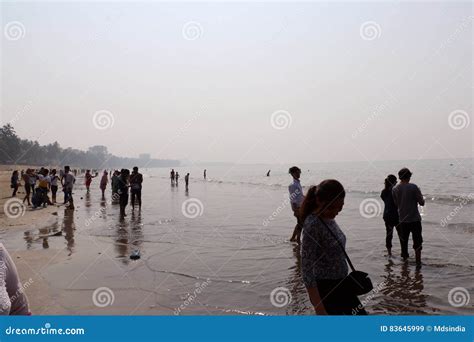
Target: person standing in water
x=176, y=177
x=268, y=173
x=115, y=186
x=26, y=179
x=407, y=196
x=172, y=176
x=68, y=184
x=205, y=173
x=88, y=179
x=32, y=177
x=390, y=212
x=14, y=182
x=54, y=185
x=103, y=183
x=323, y=261
x=296, y=200
x=136, y=180
x=186, y=180
x=123, y=190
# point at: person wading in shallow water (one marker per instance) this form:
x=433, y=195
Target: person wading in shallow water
x=390, y=212
x=186, y=180
x=323, y=262
x=407, y=196
x=88, y=179
x=136, y=180
x=123, y=191
x=68, y=181
x=296, y=200
x=103, y=183
x=172, y=176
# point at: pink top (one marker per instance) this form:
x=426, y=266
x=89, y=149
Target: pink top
x=13, y=300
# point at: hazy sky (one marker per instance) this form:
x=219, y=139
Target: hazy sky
x=203, y=81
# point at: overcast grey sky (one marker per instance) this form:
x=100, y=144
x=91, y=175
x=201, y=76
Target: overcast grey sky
x=242, y=82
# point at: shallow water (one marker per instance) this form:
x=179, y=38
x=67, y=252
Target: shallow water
x=227, y=261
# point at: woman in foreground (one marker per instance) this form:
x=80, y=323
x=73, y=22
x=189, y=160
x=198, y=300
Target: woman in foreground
x=12, y=299
x=324, y=265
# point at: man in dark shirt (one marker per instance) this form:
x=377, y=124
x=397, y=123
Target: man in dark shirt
x=123, y=190
x=136, y=180
x=407, y=196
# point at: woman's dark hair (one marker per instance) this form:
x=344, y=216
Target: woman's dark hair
x=390, y=181
x=327, y=191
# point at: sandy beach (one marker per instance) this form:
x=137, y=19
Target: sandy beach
x=31, y=263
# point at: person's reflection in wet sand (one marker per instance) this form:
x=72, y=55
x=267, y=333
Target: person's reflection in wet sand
x=69, y=228
x=402, y=294
x=122, y=241
x=299, y=303
x=136, y=230
x=29, y=239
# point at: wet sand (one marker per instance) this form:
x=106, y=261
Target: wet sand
x=29, y=263
x=218, y=259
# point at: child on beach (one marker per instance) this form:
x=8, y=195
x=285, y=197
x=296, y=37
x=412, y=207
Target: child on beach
x=390, y=212
x=323, y=259
x=88, y=179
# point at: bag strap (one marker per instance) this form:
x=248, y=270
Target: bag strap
x=340, y=244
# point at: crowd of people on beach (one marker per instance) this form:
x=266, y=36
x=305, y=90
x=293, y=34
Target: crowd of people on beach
x=39, y=183
x=324, y=260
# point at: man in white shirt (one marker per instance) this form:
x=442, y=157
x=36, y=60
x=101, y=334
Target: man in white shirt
x=296, y=200
x=68, y=183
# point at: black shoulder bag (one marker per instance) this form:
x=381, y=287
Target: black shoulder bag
x=357, y=282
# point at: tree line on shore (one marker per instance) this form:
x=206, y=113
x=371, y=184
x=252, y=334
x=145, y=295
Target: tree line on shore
x=15, y=150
